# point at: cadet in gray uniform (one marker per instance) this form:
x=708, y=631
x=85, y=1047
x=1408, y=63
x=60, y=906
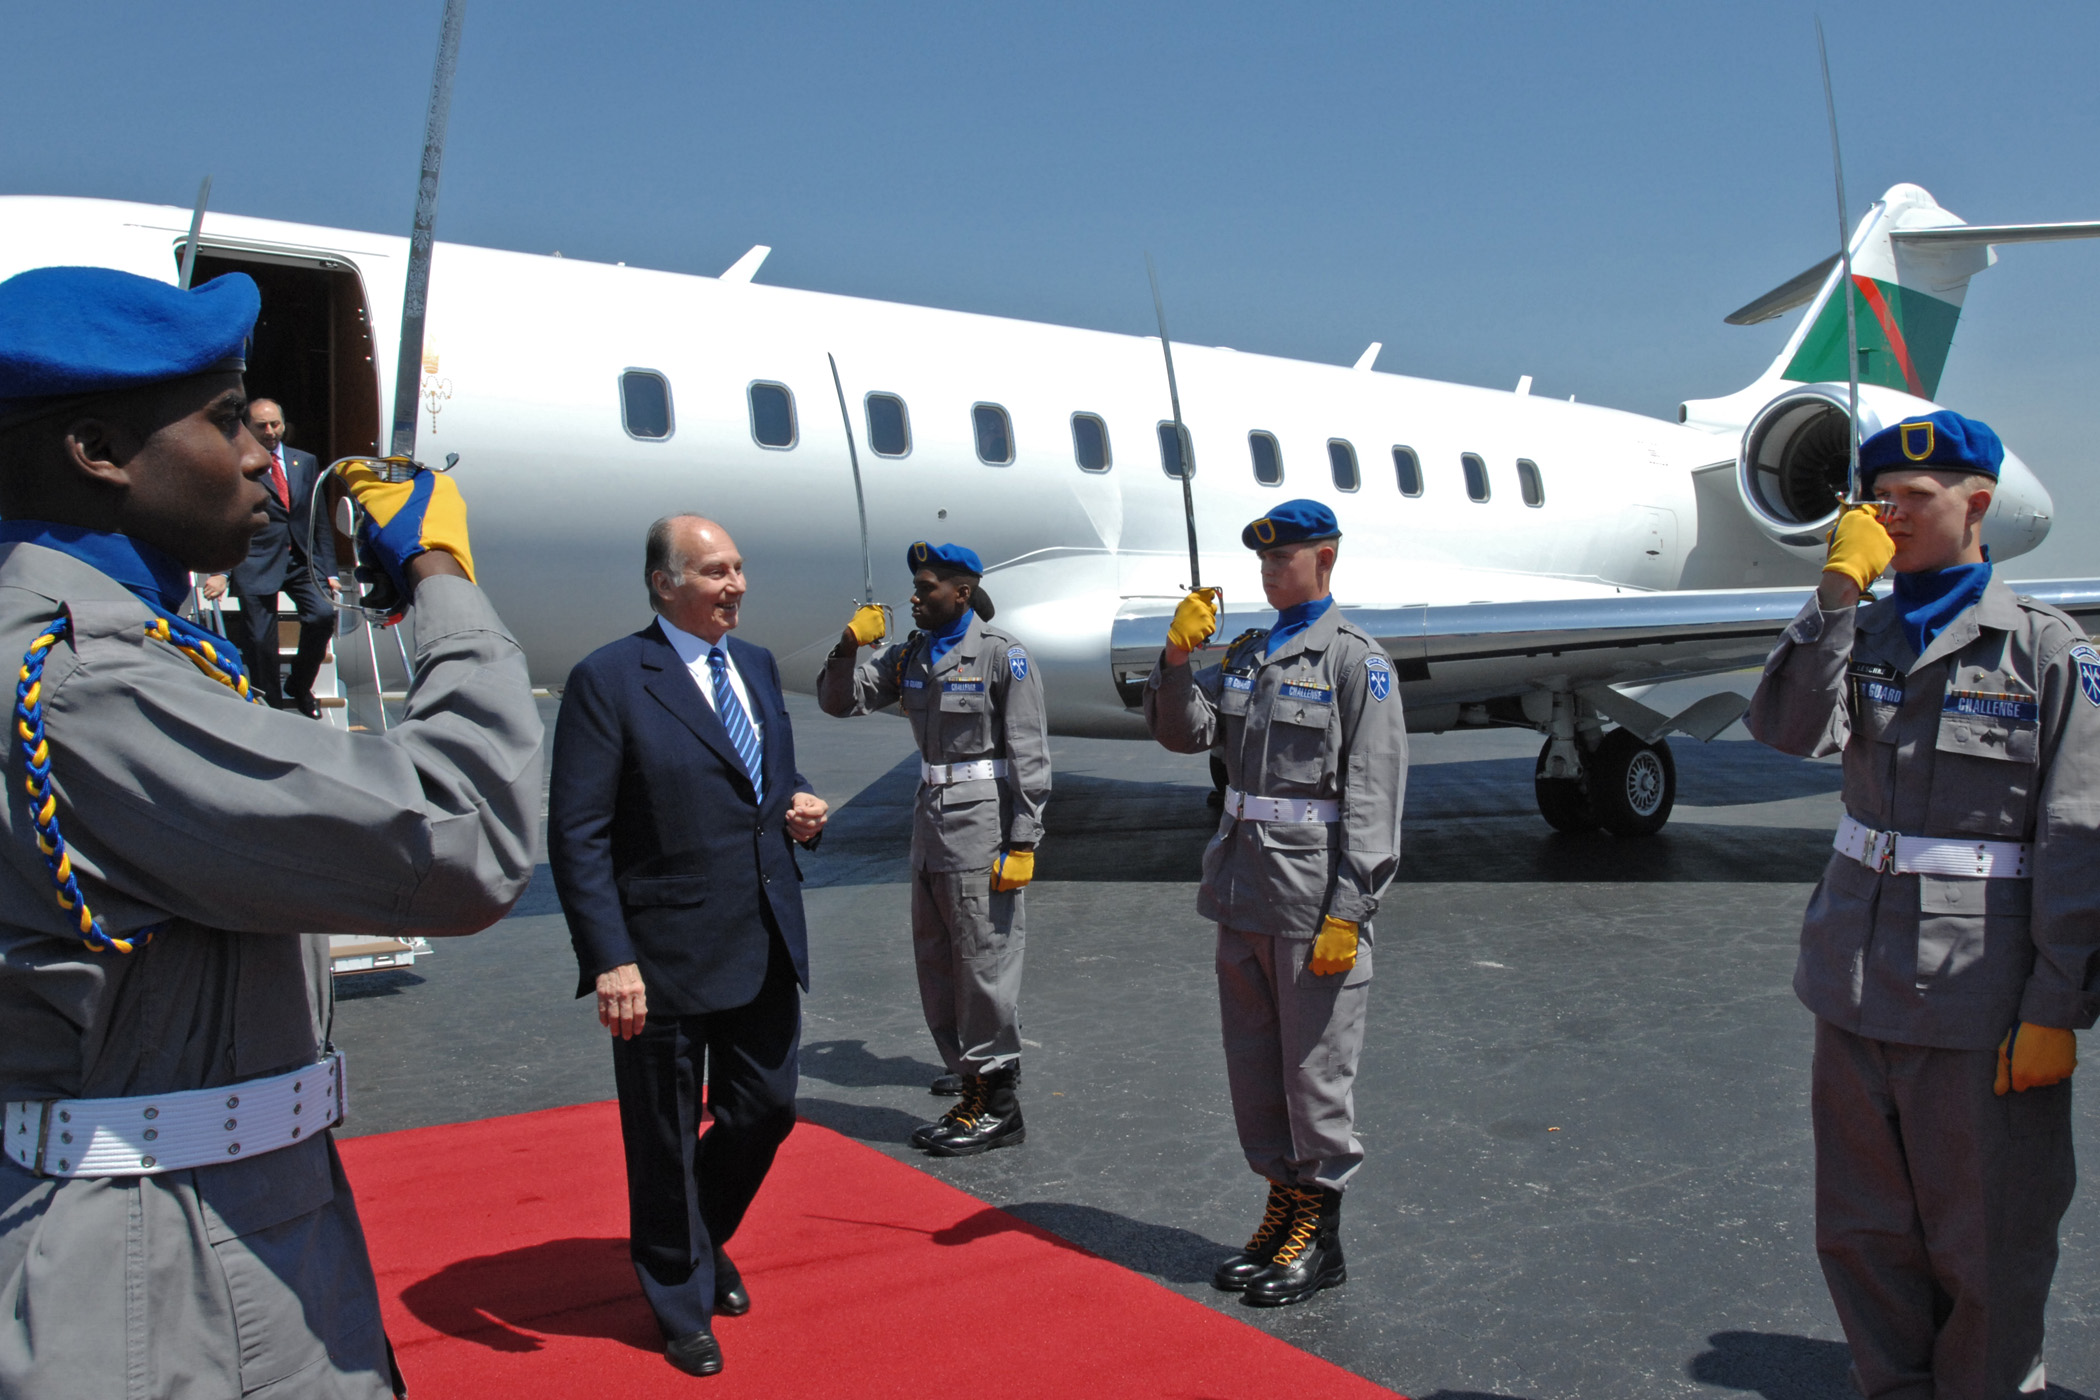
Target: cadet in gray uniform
x=976, y=710
x=174, y=1220
x=1952, y=948
x=1315, y=752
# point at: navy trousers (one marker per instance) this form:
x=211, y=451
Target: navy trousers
x=687, y=1191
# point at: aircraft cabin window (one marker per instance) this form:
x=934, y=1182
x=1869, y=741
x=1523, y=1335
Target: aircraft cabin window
x=889, y=431
x=1268, y=458
x=645, y=404
x=772, y=415
x=1476, y=475
x=995, y=435
x=1342, y=458
x=1171, y=451
x=1530, y=483
x=1090, y=443
x=1407, y=469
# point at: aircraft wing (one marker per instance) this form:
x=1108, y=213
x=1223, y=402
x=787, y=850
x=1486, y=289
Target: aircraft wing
x=1472, y=653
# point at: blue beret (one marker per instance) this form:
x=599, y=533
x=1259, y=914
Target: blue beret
x=942, y=556
x=1290, y=523
x=67, y=331
x=1943, y=441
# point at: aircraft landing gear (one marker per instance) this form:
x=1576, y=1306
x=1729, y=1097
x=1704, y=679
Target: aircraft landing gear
x=1626, y=787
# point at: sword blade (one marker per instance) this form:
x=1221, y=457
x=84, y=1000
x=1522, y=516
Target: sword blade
x=189, y=248
x=415, y=295
x=1181, y=434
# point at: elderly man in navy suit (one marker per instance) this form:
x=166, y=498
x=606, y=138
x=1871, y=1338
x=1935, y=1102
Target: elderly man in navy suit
x=277, y=562
x=671, y=827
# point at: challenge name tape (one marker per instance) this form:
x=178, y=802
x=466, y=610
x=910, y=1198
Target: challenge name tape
x=1988, y=706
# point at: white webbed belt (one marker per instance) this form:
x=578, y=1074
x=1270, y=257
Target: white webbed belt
x=1280, y=809
x=942, y=774
x=1933, y=855
x=147, y=1134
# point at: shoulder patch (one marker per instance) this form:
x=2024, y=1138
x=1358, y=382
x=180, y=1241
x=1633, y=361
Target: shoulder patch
x=1378, y=675
x=1017, y=663
x=2088, y=671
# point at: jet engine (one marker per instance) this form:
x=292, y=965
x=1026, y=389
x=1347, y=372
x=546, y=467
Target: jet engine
x=1792, y=466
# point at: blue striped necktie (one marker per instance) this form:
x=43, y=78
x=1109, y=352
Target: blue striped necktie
x=731, y=712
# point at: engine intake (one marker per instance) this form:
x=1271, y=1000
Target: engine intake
x=1793, y=465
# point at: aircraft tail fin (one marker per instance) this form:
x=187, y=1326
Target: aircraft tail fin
x=1911, y=265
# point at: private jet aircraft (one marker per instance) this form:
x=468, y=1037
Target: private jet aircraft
x=1526, y=562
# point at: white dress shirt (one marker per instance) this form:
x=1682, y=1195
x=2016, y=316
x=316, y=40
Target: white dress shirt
x=693, y=652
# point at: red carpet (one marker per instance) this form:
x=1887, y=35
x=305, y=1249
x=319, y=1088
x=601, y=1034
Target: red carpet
x=502, y=1258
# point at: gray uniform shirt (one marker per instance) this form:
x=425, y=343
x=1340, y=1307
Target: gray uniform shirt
x=1994, y=733
x=1320, y=718
x=983, y=699
x=250, y=827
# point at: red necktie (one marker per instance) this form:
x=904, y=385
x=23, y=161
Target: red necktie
x=279, y=484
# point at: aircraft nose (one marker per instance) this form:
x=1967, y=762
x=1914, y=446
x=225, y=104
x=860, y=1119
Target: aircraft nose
x=2020, y=513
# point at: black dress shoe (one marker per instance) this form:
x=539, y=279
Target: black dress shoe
x=304, y=704
x=696, y=1353
x=1310, y=1256
x=988, y=1117
x=730, y=1298
x=1232, y=1275
x=948, y=1086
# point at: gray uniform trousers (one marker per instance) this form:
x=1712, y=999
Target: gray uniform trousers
x=1936, y=1297
x=967, y=942
x=1937, y=1201
x=1292, y=1040
x=982, y=700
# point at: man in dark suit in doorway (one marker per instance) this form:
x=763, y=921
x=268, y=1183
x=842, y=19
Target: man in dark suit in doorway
x=277, y=562
x=670, y=827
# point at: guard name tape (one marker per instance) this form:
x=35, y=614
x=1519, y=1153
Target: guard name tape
x=147, y=1134
x=1933, y=855
x=1280, y=809
x=942, y=774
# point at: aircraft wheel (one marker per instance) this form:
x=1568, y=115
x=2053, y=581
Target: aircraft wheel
x=1633, y=785
x=1562, y=802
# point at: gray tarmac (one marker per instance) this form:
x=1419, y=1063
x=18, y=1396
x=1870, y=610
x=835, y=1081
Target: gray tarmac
x=1583, y=1094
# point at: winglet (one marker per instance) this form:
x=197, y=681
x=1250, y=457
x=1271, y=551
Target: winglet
x=1369, y=357
x=746, y=267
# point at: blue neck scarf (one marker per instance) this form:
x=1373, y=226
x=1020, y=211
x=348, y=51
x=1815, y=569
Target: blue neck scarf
x=1295, y=619
x=944, y=642
x=1935, y=597
x=158, y=580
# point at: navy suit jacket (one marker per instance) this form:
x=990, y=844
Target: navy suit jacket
x=662, y=856
x=281, y=543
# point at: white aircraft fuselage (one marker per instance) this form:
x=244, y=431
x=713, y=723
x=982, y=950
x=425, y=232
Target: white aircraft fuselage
x=524, y=362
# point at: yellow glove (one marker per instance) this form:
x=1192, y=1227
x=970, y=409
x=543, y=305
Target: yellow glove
x=1859, y=548
x=1334, y=947
x=404, y=518
x=868, y=626
x=1194, y=620
x=2034, y=1057
x=1011, y=870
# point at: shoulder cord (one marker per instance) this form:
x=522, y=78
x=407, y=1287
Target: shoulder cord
x=214, y=659
x=904, y=659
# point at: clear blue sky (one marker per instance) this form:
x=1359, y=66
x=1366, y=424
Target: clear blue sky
x=1575, y=192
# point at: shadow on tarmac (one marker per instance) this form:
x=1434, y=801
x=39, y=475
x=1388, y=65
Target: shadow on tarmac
x=1164, y=1251
x=847, y=1063
x=1777, y=1366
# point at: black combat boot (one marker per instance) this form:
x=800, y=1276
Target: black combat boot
x=1232, y=1275
x=971, y=1091
x=992, y=1120
x=946, y=1086
x=1310, y=1256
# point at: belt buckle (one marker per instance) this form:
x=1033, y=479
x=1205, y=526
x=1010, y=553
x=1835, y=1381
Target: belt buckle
x=43, y=1138
x=1881, y=846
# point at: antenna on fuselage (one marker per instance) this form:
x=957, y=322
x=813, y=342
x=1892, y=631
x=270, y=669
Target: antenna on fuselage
x=1837, y=165
x=189, y=249
x=1181, y=434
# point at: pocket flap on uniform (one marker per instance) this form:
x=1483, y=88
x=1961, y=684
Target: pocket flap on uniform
x=1294, y=836
x=657, y=890
x=965, y=696
x=1985, y=724
x=1957, y=894
x=239, y=1198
